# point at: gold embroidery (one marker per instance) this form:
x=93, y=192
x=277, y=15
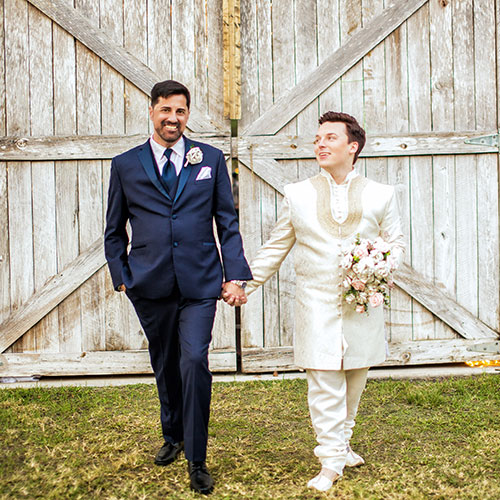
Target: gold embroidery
x=324, y=210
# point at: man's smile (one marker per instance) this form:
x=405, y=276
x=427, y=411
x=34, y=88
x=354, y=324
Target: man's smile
x=172, y=127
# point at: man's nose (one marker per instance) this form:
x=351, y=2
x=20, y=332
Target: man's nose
x=172, y=117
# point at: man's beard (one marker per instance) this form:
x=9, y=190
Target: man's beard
x=169, y=136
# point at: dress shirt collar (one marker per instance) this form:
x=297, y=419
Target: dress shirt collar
x=347, y=180
x=158, y=150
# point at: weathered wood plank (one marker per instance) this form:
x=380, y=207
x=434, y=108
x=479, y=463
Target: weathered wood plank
x=75, y=23
x=56, y=290
x=252, y=321
x=328, y=40
x=398, y=172
x=374, y=77
x=485, y=86
x=351, y=24
x=16, y=67
x=3, y=55
x=183, y=43
x=215, y=86
x=4, y=245
x=20, y=233
x=250, y=67
x=398, y=169
x=420, y=120
x=270, y=290
x=333, y=68
x=95, y=363
x=45, y=335
x=279, y=147
x=488, y=240
x=255, y=360
x=97, y=147
x=112, y=83
x=159, y=40
x=135, y=42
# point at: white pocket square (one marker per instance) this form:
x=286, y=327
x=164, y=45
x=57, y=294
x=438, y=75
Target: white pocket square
x=204, y=173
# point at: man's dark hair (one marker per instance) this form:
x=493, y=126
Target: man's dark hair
x=355, y=132
x=168, y=88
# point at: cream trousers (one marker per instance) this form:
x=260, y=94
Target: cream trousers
x=333, y=398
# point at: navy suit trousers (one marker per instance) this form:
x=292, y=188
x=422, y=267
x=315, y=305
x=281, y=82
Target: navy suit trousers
x=179, y=332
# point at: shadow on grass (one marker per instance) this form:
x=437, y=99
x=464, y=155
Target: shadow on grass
x=426, y=439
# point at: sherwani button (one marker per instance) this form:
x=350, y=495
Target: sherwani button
x=176, y=244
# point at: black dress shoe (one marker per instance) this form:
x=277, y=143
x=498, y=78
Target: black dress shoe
x=168, y=453
x=201, y=480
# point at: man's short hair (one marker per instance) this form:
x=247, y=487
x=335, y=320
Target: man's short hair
x=168, y=88
x=355, y=132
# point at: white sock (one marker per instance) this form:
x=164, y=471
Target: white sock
x=324, y=480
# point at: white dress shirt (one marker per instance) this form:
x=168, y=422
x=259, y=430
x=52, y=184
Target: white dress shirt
x=176, y=158
x=339, y=195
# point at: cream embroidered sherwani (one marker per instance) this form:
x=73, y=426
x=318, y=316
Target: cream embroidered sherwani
x=329, y=334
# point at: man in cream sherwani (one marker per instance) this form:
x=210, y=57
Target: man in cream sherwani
x=333, y=343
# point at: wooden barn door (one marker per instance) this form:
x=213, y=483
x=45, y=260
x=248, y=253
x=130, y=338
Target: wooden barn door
x=420, y=75
x=74, y=84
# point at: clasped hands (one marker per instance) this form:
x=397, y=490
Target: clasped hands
x=233, y=294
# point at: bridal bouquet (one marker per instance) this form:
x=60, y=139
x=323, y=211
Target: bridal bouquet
x=368, y=266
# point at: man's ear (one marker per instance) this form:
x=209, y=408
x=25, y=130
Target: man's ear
x=353, y=147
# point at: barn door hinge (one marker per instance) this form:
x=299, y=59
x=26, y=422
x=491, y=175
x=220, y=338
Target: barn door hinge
x=484, y=140
x=489, y=347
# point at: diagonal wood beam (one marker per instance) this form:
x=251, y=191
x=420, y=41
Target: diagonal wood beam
x=413, y=283
x=77, y=25
x=344, y=58
x=439, y=303
x=52, y=294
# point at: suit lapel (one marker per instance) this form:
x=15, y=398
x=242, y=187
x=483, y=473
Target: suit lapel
x=185, y=170
x=146, y=157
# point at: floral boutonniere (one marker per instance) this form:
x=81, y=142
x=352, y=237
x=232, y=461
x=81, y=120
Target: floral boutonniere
x=194, y=156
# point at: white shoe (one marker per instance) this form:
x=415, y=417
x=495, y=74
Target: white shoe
x=324, y=480
x=353, y=459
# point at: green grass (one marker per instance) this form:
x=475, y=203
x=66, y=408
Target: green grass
x=421, y=440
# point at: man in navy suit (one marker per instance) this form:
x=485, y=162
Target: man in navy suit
x=171, y=189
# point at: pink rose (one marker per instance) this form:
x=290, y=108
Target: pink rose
x=358, y=285
x=361, y=251
x=360, y=308
x=376, y=300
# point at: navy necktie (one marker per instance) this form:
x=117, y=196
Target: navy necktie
x=169, y=175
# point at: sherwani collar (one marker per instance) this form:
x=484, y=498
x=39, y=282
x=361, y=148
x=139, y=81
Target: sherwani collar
x=351, y=175
x=356, y=185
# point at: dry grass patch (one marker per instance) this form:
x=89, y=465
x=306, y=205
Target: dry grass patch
x=421, y=440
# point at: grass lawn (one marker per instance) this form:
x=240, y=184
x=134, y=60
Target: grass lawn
x=435, y=439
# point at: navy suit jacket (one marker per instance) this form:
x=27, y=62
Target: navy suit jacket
x=172, y=239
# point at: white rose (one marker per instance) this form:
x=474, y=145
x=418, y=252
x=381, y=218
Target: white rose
x=194, y=156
